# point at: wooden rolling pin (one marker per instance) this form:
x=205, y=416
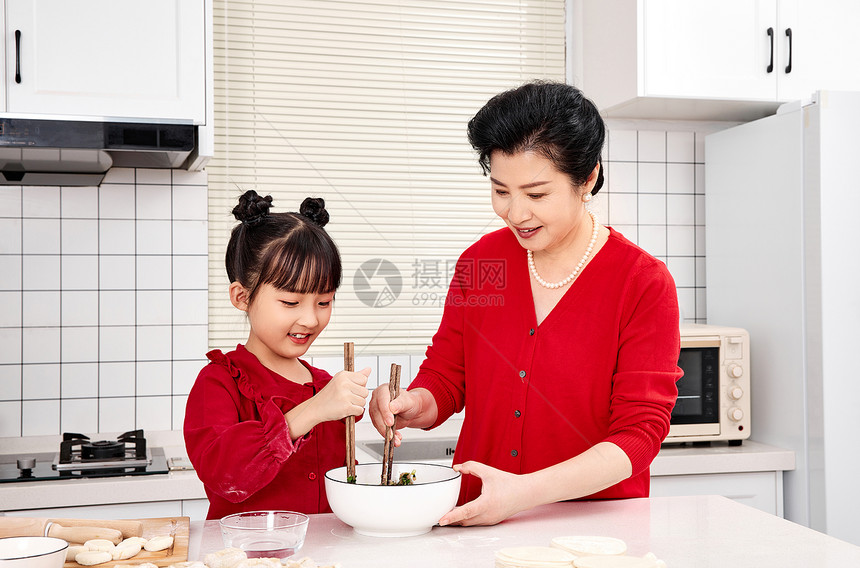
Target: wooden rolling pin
x=128, y=528
x=70, y=530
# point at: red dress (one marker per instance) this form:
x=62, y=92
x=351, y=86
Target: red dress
x=601, y=366
x=239, y=442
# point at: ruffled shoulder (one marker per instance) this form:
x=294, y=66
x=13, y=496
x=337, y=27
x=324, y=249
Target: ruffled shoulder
x=245, y=385
x=219, y=358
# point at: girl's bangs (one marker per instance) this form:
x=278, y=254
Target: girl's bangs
x=304, y=267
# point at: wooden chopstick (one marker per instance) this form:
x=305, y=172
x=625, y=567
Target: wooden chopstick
x=349, y=365
x=388, y=434
x=388, y=449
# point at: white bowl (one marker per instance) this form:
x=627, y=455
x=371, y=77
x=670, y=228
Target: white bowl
x=398, y=510
x=32, y=552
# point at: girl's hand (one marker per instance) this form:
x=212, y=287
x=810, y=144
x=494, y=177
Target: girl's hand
x=503, y=494
x=343, y=396
x=411, y=408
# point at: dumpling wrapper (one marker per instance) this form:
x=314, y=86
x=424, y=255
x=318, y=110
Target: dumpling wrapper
x=533, y=557
x=590, y=545
x=648, y=561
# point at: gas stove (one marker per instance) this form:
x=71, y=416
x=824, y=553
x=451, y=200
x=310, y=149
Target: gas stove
x=80, y=457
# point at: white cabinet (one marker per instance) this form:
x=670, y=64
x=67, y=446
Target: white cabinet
x=761, y=489
x=195, y=509
x=751, y=473
x=825, y=47
x=127, y=60
x=707, y=49
x=712, y=59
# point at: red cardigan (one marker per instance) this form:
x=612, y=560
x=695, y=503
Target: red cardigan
x=238, y=440
x=602, y=366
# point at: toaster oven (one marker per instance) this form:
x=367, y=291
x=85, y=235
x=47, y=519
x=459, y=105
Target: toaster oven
x=714, y=393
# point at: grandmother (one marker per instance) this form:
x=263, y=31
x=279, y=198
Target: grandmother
x=569, y=381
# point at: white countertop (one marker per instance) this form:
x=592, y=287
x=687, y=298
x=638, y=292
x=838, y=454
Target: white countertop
x=721, y=458
x=184, y=485
x=684, y=532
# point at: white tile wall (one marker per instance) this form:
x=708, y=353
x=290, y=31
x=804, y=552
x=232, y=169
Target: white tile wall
x=103, y=317
x=654, y=195
x=103, y=301
x=10, y=418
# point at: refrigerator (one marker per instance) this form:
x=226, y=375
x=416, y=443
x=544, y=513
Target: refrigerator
x=782, y=230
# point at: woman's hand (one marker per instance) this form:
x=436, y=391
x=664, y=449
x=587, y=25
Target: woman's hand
x=344, y=395
x=503, y=494
x=414, y=408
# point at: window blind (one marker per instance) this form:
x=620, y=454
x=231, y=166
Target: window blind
x=366, y=104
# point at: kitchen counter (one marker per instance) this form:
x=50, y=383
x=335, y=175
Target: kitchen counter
x=685, y=532
x=721, y=458
x=184, y=485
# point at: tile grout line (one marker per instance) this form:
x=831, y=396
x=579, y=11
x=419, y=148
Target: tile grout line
x=60, y=370
x=666, y=188
x=21, y=367
x=136, y=190
x=172, y=297
x=637, y=186
x=98, y=307
x=695, y=235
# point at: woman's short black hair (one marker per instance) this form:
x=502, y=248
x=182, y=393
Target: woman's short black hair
x=290, y=251
x=552, y=119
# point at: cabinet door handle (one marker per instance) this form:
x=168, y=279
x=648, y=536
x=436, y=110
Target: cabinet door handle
x=788, y=34
x=770, y=34
x=17, y=56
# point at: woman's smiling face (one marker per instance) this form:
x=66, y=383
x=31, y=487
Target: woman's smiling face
x=539, y=203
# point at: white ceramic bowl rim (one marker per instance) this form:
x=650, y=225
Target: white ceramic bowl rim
x=58, y=545
x=404, y=465
x=300, y=519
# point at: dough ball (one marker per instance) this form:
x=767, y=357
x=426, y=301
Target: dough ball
x=305, y=562
x=99, y=544
x=74, y=550
x=225, y=558
x=158, y=543
x=124, y=552
x=260, y=563
x=93, y=557
x=133, y=539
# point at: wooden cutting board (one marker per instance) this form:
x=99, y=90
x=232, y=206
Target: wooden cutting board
x=178, y=527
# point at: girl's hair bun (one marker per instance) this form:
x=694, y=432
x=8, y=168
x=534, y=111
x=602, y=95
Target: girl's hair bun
x=314, y=209
x=252, y=208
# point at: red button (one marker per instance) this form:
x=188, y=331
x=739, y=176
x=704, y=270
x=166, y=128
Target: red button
x=312, y=476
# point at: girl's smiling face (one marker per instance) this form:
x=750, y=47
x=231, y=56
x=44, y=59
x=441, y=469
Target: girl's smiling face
x=538, y=203
x=283, y=324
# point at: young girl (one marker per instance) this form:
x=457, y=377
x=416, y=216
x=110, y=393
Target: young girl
x=262, y=426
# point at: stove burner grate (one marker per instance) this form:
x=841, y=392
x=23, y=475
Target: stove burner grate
x=77, y=452
x=102, y=450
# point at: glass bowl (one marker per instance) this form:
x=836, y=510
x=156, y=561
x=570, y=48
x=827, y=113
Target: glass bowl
x=265, y=534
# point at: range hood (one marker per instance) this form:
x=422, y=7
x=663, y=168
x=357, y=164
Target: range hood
x=78, y=153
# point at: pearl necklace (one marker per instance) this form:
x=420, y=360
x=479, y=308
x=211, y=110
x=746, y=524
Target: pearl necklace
x=579, y=266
